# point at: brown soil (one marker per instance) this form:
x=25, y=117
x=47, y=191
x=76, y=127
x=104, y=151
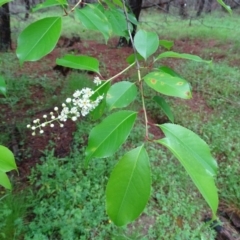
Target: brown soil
x=112, y=61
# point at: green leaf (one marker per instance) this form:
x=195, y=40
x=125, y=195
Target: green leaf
x=166, y=44
x=165, y=107
x=4, y=180
x=38, y=39
x=182, y=56
x=3, y=89
x=222, y=3
x=7, y=161
x=109, y=135
x=168, y=85
x=99, y=110
x=50, y=3
x=146, y=43
x=79, y=62
x=132, y=58
x=118, y=3
x=121, y=94
x=117, y=20
x=129, y=187
x=169, y=71
x=194, y=154
x=92, y=18
x=4, y=1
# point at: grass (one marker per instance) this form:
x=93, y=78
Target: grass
x=222, y=26
x=13, y=214
x=67, y=201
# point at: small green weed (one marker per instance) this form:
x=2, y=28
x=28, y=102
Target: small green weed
x=13, y=213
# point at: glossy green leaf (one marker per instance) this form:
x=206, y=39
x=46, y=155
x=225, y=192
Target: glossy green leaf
x=109, y=135
x=168, y=85
x=194, y=154
x=169, y=71
x=132, y=18
x=171, y=54
x=38, y=39
x=4, y=180
x=165, y=107
x=132, y=58
x=99, y=110
x=117, y=20
x=222, y=3
x=121, y=94
x=7, y=161
x=79, y=62
x=94, y=19
x=146, y=43
x=166, y=44
x=3, y=89
x=4, y=1
x=129, y=187
x=50, y=3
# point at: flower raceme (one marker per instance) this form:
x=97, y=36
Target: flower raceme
x=79, y=105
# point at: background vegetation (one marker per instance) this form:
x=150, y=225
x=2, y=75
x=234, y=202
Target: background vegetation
x=62, y=200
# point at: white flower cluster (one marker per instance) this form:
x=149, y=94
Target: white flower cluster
x=79, y=105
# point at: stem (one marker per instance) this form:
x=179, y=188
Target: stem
x=78, y=3
x=73, y=8
x=120, y=73
x=138, y=70
x=143, y=104
x=130, y=34
x=115, y=76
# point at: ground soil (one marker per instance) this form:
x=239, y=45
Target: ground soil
x=112, y=62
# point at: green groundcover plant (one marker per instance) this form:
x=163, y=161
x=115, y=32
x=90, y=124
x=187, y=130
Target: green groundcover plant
x=129, y=185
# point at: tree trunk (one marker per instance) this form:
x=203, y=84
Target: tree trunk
x=209, y=6
x=5, y=32
x=200, y=8
x=183, y=8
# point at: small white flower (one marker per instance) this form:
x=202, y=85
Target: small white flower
x=63, y=118
x=74, y=118
x=53, y=117
x=28, y=126
x=51, y=125
x=97, y=80
x=61, y=125
x=44, y=116
x=100, y=97
x=35, y=121
x=51, y=113
x=73, y=110
x=84, y=112
x=87, y=92
x=68, y=100
x=33, y=128
x=33, y=134
x=63, y=105
x=65, y=111
x=77, y=94
x=41, y=131
x=76, y=101
x=56, y=108
x=86, y=104
x=43, y=124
